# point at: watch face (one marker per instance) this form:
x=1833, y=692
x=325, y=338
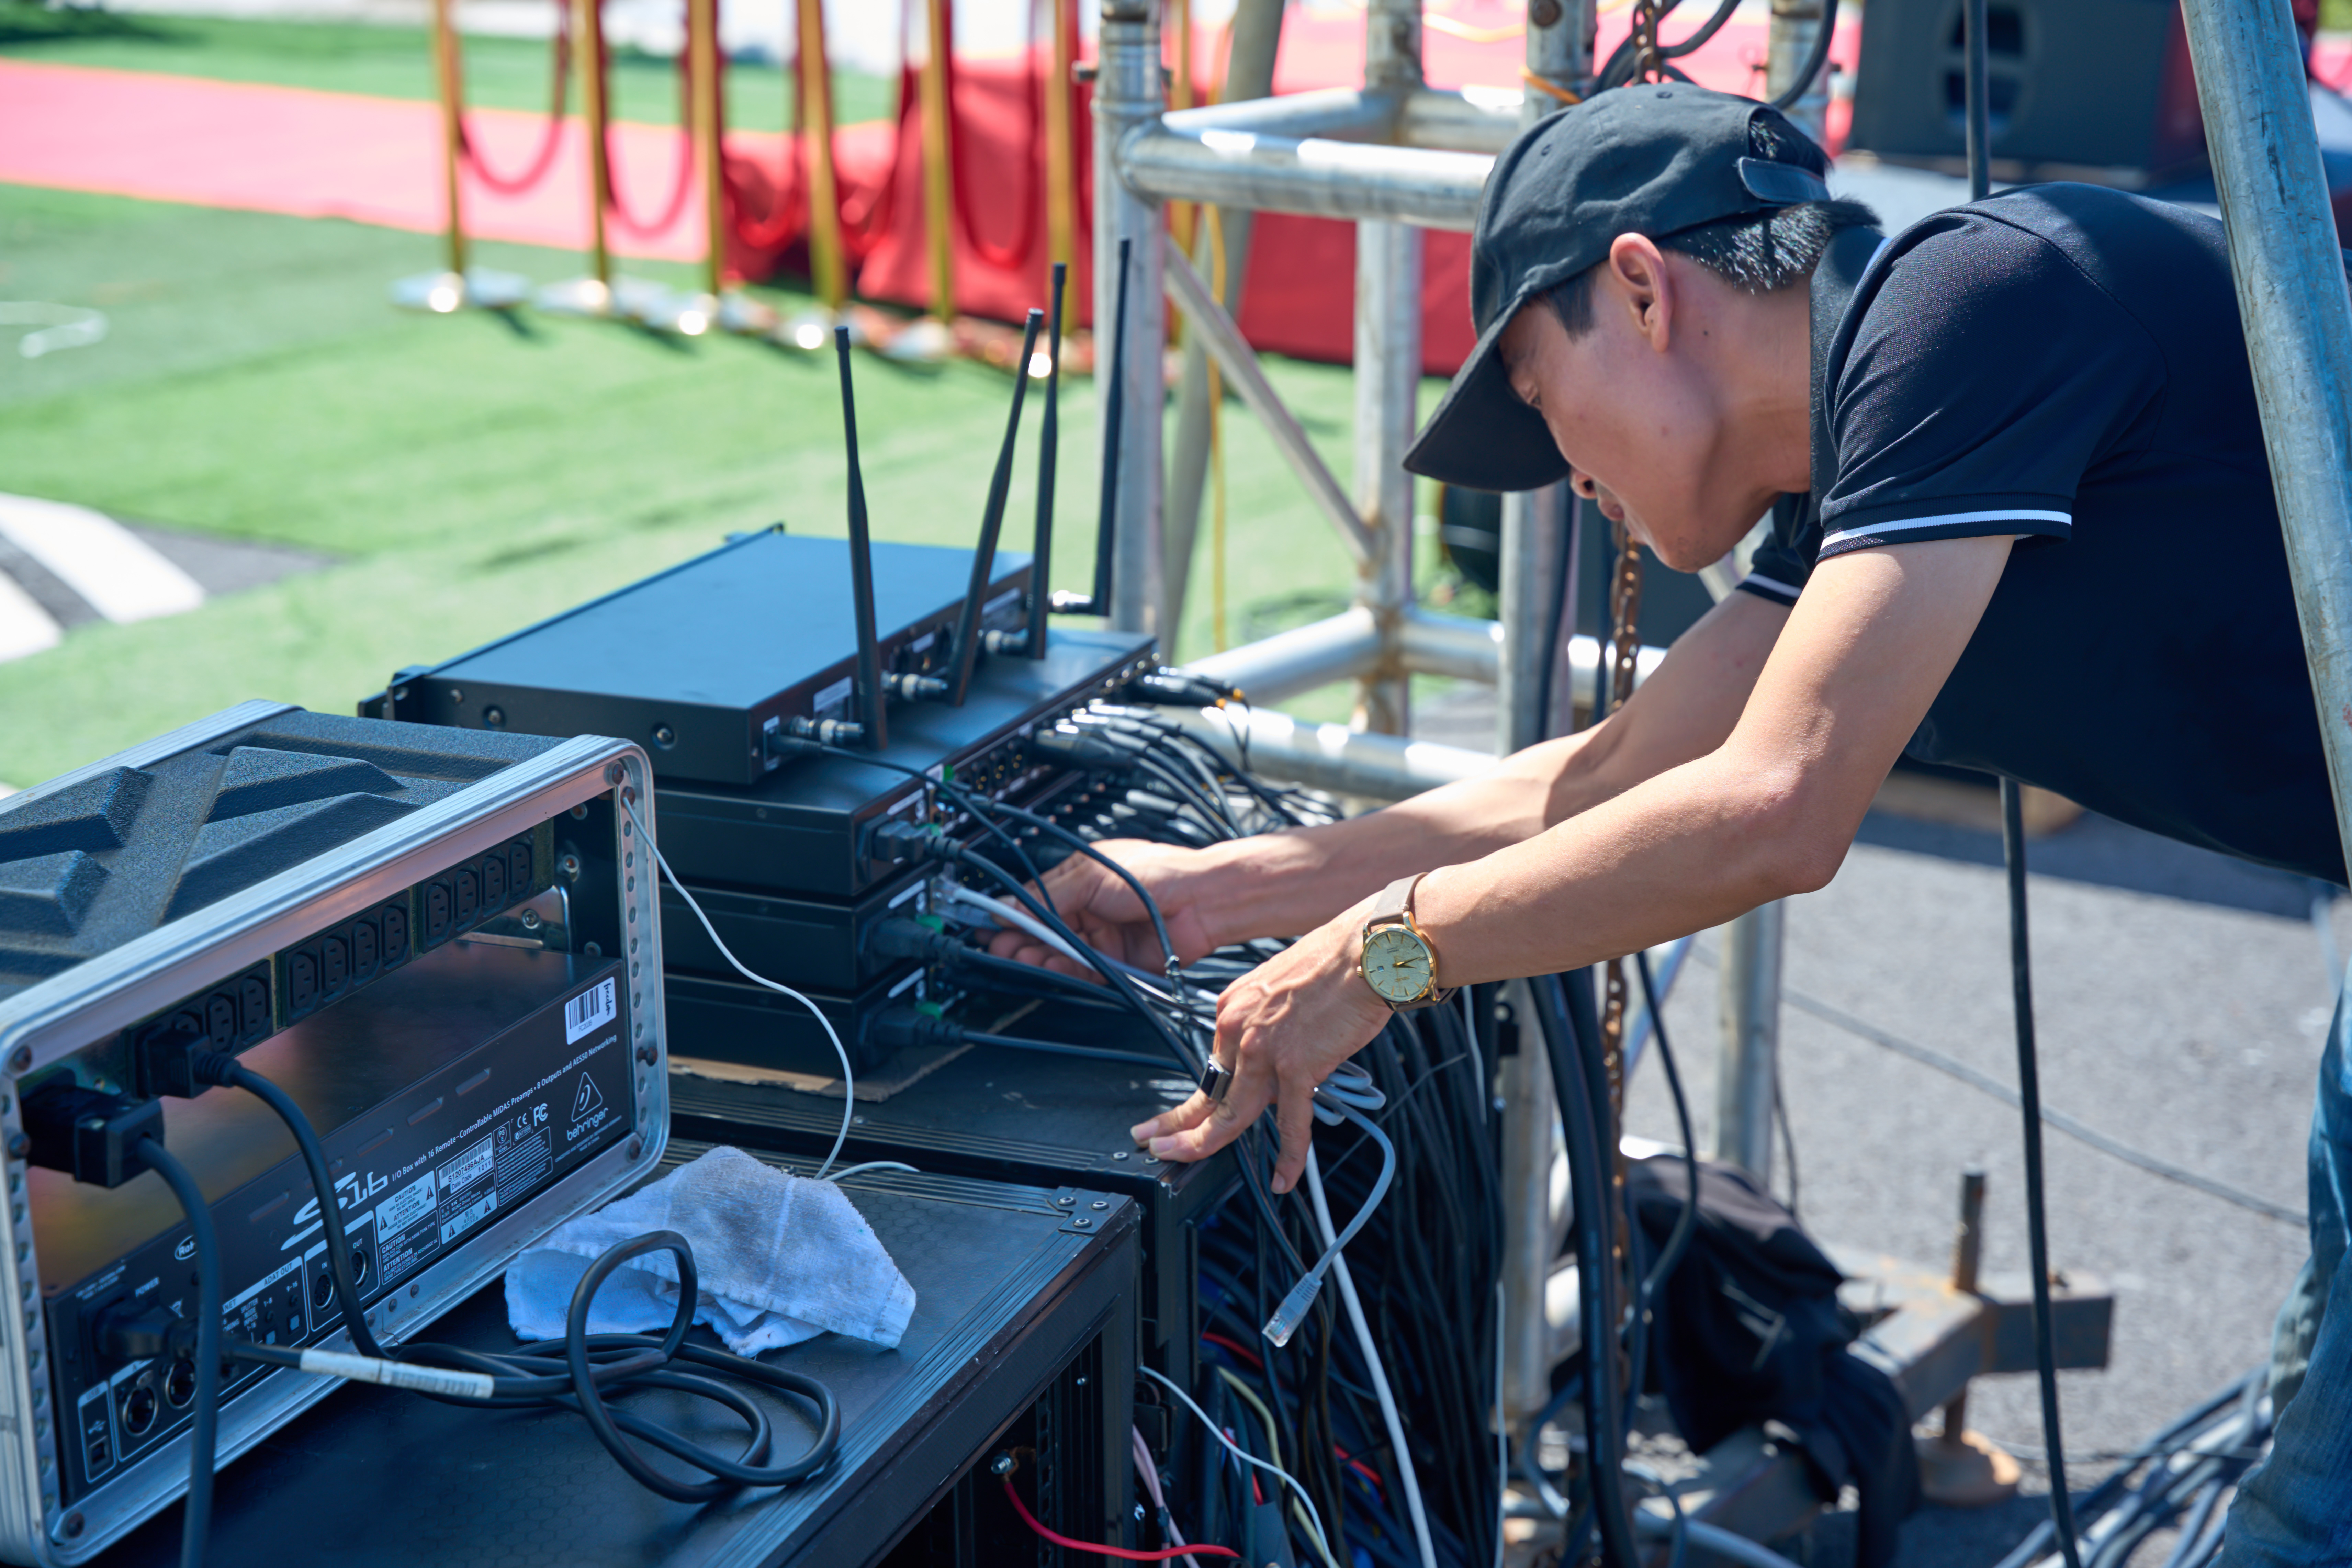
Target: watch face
x=1396, y=965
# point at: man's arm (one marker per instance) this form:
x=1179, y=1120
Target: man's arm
x=1279, y=884
x=1769, y=811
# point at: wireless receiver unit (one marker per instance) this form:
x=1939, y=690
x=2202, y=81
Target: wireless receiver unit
x=440, y=945
x=711, y=664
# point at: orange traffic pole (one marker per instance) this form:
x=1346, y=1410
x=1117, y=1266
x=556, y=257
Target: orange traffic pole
x=702, y=76
x=458, y=284
x=939, y=197
x=592, y=295
x=1061, y=165
x=453, y=123
x=1178, y=25
x=826, y=265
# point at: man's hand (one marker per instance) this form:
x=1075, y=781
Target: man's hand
x=1098, y=905
x=1281, y=1029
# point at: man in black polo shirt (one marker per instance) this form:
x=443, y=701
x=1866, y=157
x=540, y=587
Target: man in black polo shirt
x=2022, y=521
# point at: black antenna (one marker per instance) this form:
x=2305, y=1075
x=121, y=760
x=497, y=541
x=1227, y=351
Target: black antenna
x=992, y=522
x=1041, y=566
x=871, y=703
x=1114, y=413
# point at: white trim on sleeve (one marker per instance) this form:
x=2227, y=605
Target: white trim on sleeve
x=1947, y=519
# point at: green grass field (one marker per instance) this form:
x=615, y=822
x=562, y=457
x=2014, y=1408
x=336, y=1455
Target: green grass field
x=471, y=474
x=392, y=62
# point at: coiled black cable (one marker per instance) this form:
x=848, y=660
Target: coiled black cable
x=574, y=1373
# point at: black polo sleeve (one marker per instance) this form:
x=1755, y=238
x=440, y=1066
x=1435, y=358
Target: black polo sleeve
x=1978, y=375
x=1781, y=564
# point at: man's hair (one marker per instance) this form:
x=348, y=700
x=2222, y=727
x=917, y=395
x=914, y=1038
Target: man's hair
x=1756, y=252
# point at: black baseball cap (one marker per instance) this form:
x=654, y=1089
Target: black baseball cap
x=1649, y=159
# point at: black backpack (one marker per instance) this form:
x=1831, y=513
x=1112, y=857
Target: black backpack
x=1748, y=1331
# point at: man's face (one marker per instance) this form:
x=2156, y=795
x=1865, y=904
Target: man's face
x=1645, y=406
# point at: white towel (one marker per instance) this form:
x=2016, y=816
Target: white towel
x=780, y=1259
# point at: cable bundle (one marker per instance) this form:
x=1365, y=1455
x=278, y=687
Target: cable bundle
x=1422, y=1265
x=2186, y=1469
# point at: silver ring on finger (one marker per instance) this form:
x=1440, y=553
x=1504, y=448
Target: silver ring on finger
x=1216, y=1082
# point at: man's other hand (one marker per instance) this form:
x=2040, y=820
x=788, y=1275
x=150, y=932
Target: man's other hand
x=1102, y=909
x=1281, y=1029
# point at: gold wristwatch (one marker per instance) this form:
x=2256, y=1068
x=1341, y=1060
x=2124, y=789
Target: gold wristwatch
x=1398, y=962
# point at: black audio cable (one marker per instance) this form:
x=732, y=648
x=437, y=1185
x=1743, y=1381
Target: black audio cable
x=1566, y=1023
x=1112, y=971
x=1687, y=1222
x=907, y=1026
x=981, y=811
x=203, y=1429
x=2029, y=1100
x=589, y=1365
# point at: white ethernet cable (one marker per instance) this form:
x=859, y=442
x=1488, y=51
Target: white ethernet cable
x=1345, y=1096
x=848, y=1074
x=1013, y=916
x=1389, y=1417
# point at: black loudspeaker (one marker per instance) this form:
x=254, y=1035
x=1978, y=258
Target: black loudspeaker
x=2093, y=90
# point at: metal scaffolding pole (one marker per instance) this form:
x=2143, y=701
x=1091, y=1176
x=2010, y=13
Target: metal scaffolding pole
x=2291, y=294
x=1249, y=75
x=1128, y=94
x=1387, y=377
x=1787, y=45
x=1388, y=374
x=1534, y=534
x=1746, y=1070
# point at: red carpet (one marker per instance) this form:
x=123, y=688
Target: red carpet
x=322, y=155
x=315, y=154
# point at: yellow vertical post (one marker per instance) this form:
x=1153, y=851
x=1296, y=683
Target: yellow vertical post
x=939, y=197
x=590, y=31
x=1182, y=215
x=827, y=267
x=702, y=73
x=453, y=123
x=1061, y=163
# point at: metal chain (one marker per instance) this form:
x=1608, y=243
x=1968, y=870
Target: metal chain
x=1649, y=64
x=1625, y=613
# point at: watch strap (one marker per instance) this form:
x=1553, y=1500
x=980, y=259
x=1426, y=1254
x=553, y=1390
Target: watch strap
x=1395, y=902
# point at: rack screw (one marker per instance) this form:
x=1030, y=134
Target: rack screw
x=20, y=1058
x=18, y=1145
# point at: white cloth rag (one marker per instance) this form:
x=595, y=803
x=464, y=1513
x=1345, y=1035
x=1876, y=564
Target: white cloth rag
x=780, y=1260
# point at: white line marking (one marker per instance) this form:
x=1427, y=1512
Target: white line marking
x=121, y=574
x=25, y=627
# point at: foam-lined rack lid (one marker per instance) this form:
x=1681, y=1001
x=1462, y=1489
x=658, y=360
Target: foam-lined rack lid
x=114, y=851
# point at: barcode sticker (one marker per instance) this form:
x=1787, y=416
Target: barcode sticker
x=597, y=1006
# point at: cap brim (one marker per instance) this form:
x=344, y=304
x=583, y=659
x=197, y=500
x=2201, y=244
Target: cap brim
x=1482, y=437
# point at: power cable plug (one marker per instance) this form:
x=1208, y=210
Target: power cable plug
x=91, y=1136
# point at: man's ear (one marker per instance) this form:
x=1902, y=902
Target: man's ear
x=1636, y=270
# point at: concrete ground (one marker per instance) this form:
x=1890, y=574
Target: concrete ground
x=2182, y=1001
